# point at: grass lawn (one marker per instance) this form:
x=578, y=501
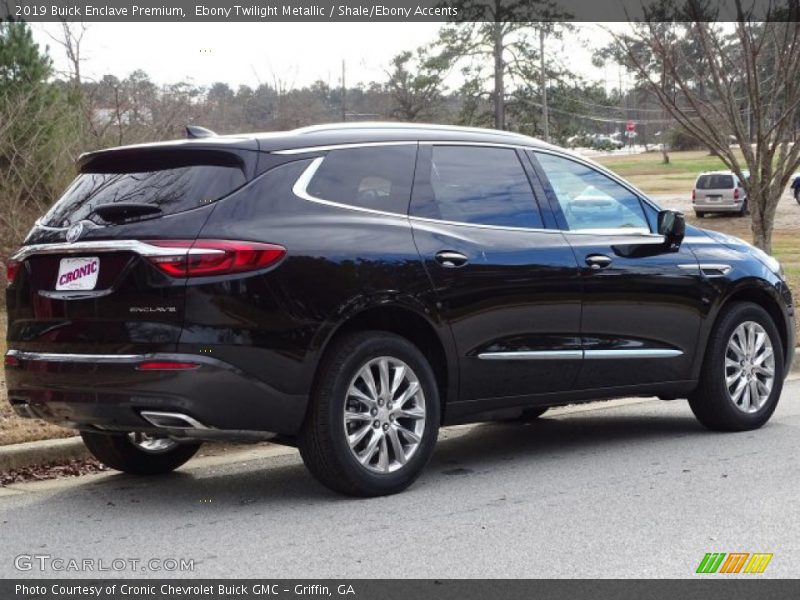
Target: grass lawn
x=648, y=172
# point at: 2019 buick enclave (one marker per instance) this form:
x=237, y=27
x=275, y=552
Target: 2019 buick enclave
x=349, y=289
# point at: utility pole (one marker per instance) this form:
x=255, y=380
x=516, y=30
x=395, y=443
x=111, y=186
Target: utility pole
x=545, y=118
x=344, y=94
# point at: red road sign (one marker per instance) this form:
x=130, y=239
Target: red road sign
x=630, y=126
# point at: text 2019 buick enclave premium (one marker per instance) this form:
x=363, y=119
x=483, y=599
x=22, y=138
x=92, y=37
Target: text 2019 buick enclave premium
x=349, y=289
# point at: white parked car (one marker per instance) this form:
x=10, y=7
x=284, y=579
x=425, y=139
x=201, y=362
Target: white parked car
x=719, y=192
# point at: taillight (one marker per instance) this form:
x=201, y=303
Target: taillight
x=694, y=195
x=11, y=361
x=736, y=193
x=12, y=268
x=205, y=258
x=166, y=365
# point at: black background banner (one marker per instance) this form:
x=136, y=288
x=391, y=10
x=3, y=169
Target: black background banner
x=395, y=10
x=736, y=587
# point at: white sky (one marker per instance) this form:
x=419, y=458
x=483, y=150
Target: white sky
x=251, y=53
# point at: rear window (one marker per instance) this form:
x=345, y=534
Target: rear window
x=377, y=177
x=173, y=182
x=715, y=182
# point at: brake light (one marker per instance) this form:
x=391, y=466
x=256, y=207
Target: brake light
x=11, y=361
x=204, y=258
x=736, y=193
x=12, y=268
x=166, y=365
x=694, y=195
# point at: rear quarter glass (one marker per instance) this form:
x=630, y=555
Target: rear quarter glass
x=173, y=182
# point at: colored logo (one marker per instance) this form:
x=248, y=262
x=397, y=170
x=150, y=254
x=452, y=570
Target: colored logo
x=735, y=562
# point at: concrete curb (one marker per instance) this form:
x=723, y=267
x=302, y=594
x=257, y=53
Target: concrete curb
x=17, y=456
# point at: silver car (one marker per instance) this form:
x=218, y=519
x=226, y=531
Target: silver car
x=719, y=192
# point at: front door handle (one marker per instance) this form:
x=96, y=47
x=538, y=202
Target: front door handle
x=598, y=261
x=451, y=259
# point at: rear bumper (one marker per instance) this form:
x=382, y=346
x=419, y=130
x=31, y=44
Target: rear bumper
x=717, y=207
x=108, y=392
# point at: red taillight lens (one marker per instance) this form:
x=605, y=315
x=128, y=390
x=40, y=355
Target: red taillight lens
x=12, y=268
x=736, y=194
x=166, y=365
x=11, y=361
x=694, y=195
x=205, y=258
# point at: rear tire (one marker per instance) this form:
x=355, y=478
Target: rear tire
x=340, y=442
x=744, y=211
x=797, y=194
x=119, y=452
x=736, y=370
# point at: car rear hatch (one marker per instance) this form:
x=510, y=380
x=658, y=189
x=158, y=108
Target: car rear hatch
x=103, y=272
x=715, y=189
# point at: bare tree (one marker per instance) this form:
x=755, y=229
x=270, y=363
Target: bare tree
x=719, y=81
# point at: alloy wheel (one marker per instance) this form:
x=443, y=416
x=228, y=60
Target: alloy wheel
x=749, y=367
x=151, y=444
x=384, y=414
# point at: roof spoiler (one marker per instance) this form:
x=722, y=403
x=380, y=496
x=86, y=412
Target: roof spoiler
x=195, y=131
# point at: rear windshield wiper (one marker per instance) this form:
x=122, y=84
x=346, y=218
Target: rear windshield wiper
x=116, y=212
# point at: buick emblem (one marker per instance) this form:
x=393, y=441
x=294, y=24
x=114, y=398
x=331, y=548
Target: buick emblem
x=75, y=232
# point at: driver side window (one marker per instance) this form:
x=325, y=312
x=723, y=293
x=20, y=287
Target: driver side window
x=590, y=200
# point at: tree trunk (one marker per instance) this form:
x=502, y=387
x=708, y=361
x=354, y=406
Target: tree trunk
x=499, y=85
x=761, y=223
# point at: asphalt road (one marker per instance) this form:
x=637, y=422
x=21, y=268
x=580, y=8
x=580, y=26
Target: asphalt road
x=628, y=489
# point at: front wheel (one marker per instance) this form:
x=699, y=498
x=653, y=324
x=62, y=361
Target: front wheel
x=742, y=376
x=374, y=416
x=138, y=453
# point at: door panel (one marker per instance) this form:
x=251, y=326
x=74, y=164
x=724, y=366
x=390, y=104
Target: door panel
x=642, y=307
x=641, y=313
x=510, y=294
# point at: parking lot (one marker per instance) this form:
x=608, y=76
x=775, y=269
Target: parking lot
x=633, y=488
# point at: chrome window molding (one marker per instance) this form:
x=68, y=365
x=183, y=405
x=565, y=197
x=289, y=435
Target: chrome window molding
x=139, y=247
x=624, y=353
x=300, y=187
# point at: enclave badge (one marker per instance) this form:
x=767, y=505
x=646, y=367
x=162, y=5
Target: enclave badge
x=74, y=232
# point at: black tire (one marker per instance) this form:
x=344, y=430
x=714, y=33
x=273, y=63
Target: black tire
x=699, y=214
x=322, y=441
x=744, y=211
x=119, y=452
x=797, y=194
x=711, y=402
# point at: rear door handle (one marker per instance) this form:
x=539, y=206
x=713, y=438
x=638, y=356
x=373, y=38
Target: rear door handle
x=451, y=259
x=598, y=261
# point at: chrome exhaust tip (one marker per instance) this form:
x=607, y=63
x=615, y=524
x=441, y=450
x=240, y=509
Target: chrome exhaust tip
x=171, y=420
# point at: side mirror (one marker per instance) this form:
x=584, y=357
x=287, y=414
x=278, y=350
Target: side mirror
x=672, y=225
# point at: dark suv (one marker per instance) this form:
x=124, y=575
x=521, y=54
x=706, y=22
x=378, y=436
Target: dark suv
x=349, y=289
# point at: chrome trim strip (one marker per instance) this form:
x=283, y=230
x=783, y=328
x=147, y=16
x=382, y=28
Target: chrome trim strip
x=77, y=358
x=141, y=248
x=533, y=355
x=581, y=354
x=149, y=415
x=723, y=269
x=633, y=353
x=343, y=146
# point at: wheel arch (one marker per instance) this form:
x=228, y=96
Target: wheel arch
x=760, y=293
x=433, y=339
